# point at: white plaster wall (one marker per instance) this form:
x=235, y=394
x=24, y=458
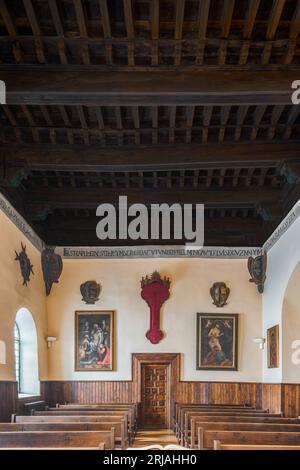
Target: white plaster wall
x=13, y=295
x=282, y=259
x=120, y=280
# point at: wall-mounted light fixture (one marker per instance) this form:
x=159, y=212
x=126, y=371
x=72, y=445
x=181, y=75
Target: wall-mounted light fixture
x=50, y=340
x=260, y=342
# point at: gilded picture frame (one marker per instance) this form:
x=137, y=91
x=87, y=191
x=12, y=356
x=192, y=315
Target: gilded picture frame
x=94, y=340
x=273, y=347
x=217, y=341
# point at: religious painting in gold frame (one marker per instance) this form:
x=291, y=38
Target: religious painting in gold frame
x=94, y=340
x=217, y=341
x=273, y=347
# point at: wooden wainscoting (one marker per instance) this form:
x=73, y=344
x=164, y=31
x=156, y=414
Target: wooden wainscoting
x=9, y=399
x=290, y=399
x=271, y=397
x=215, y=393
x=92, y=391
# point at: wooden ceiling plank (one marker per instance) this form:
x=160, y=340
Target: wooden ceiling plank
x=179, y=17
x=119, y=125
x=273, y=23
x=65, y=116
x=250, y=18
x=274, y=18
x=46, y=115
x=249, y=22
x=105, y=18
x=10, y=115
x=190, y=112
x=293, y=115
x=275, y=116
x=154, y=124
x=106, y=30
x=294, y=33
x=207, y=114
x=295, y=23
x=56, y=17
x=12, y=31
x=241, y=115
x=34, y=24
x=80, y=18
x=202, y=23
x=257, y=117
x=172, y=122
x=226, y=17
x=154, y=18
x=28, y=115
x=99, y=117
x=82, y=117
x=225, y=113
x=203, y=14
x=127, y=6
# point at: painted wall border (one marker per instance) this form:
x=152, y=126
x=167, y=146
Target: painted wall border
x=20, y=223
x=137, y=252
x=282, y=228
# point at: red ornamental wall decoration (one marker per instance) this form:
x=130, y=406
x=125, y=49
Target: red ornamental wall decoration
x=155, y=291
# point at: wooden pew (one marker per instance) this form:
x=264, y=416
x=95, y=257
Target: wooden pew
x=206, y=438
x=184, y=412
x=118, y=415
x=57, y=439
x=121, y=439
x=100, y=447
x=181, y=409
x=182, y=406
x=188, y=415
x=237, y=426
x=219, y=446
x=130, y=408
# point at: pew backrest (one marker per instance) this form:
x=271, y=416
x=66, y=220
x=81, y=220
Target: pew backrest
x=46, y=439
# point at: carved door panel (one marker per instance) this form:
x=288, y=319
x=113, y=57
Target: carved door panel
x=155, y=395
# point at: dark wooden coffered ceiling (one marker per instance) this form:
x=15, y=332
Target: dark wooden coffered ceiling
x=164, y=101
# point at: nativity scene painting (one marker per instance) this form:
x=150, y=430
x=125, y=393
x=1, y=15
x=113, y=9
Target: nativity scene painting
x=94, y=338
x=217, y=341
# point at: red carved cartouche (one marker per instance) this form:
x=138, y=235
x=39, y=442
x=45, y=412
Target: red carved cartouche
x=155, y=291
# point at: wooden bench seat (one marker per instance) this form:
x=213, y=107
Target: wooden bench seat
x=238, y=426
x=206, y=438
x=185, y=412
x=219, y=446
x=58, y=439
x=185, y=422
x=121, y=438
x=118, y=416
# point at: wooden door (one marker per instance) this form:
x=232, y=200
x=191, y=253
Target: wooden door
x=155, y=395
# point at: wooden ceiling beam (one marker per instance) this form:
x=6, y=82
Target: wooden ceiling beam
x=91, y=197
x=70, y=157
x=56, y=17
x=151, y=88
x=7, y=18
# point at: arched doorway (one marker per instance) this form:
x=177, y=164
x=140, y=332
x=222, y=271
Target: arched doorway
x=26, y=354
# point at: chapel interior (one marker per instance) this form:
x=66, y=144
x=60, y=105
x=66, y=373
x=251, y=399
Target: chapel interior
x=121, y=343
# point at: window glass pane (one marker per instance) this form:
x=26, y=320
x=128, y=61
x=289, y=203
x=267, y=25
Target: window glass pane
x=17, y=344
